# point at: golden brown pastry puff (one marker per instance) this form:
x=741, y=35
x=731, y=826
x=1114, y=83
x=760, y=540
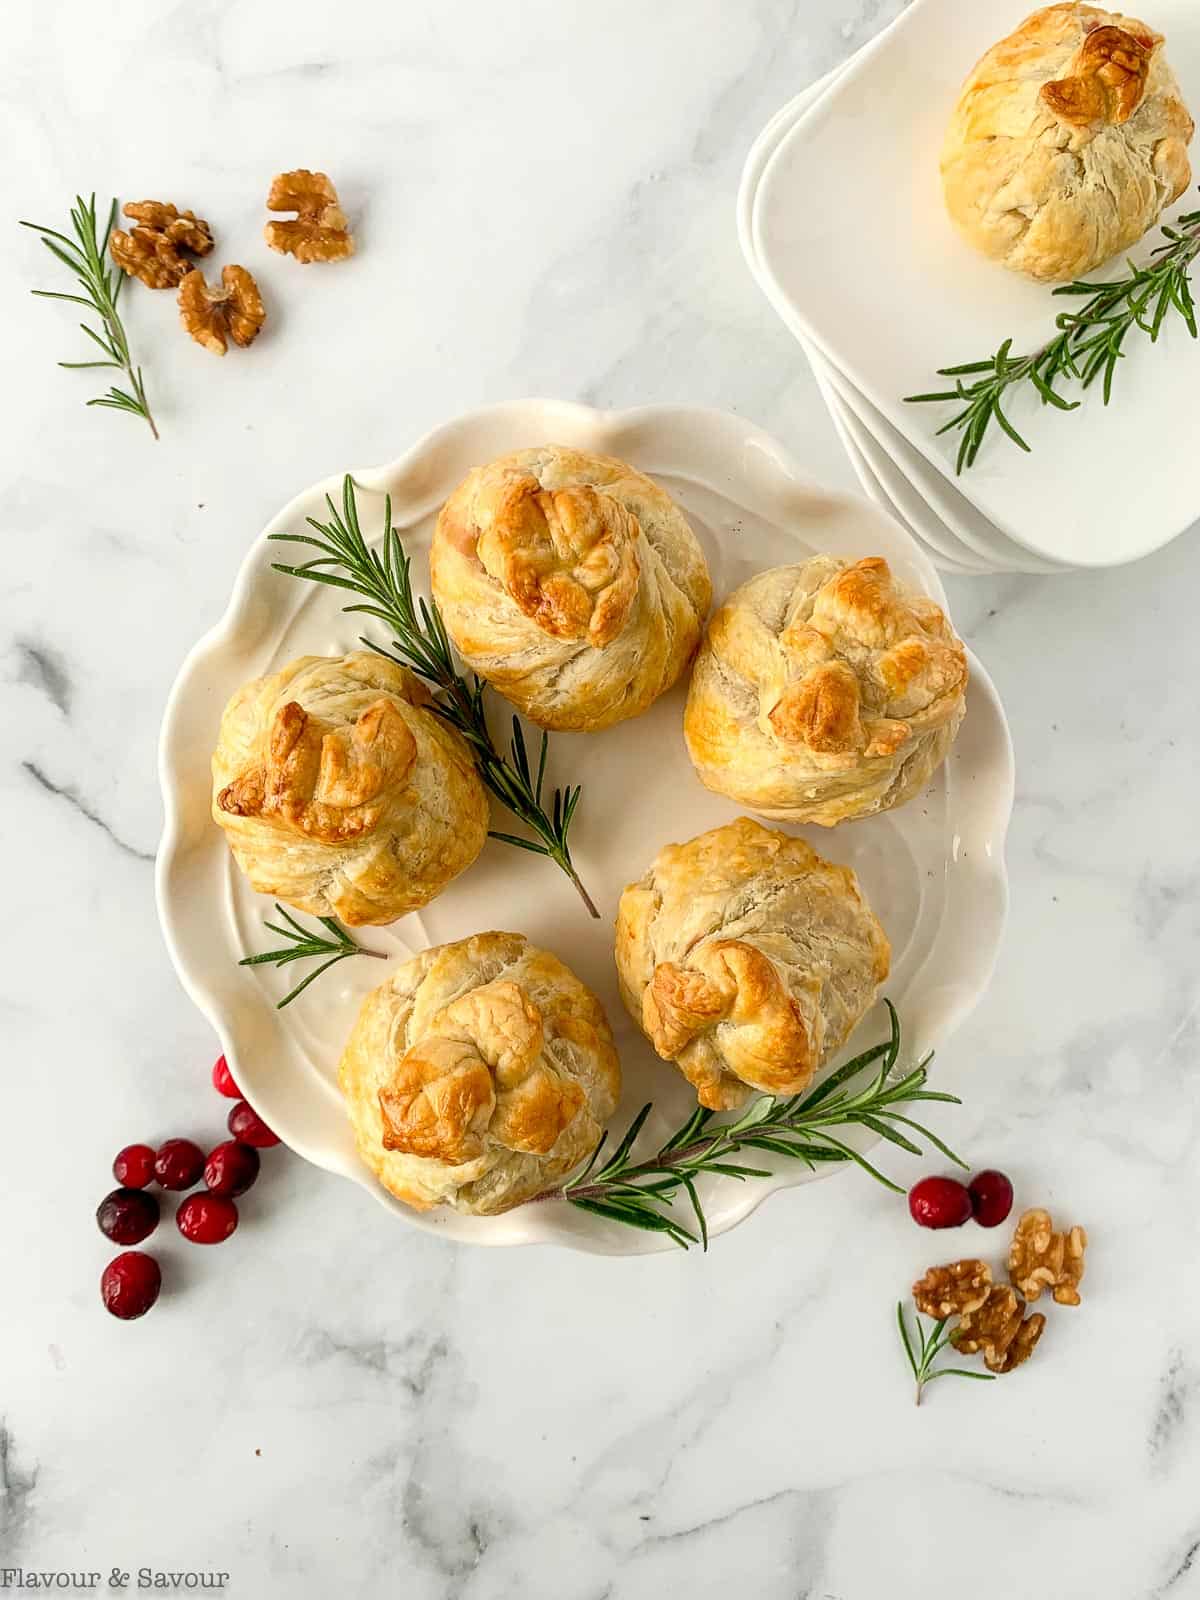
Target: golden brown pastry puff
x=1068, y=140
x=571, y=583
x=479, y=1074
x=747, y=960
x=824, y=691
x=342, y=793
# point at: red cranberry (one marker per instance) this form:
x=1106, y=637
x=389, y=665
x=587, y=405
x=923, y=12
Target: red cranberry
x=134, y=1166
x=991, y=1197
x=178, y=1164
x=231, y=1168
x=245, y=1124
x=129, y=1285
x=206, y=1218
x=939, y=1203
x=223, y=1080
x=127, y=1216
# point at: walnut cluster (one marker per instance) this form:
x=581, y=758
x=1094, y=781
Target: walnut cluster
x=319, y=231
x=157, y=248
x=992, y=1318
x=152, y=250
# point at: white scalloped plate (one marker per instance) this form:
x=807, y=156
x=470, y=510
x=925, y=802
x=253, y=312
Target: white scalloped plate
x=934, y=870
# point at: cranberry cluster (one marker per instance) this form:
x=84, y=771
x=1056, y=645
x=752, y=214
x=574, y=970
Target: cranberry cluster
x=946, y=1203
x=130, y=1283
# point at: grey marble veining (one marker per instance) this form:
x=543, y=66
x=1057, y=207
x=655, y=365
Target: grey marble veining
x=332, y=1404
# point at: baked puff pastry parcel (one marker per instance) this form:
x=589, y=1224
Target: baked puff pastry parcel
x=824, y=691
x=747, y=960
x=479, y=1074
x=1068, y=140
x=342, y=793
x=571, y=583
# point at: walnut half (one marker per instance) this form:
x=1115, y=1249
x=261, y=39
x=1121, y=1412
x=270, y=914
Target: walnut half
x=320, y=231
x=999, y=1328
x=1041, y=1258
x=1107, y=81
x=232, y=310
x=953, y=1290
x=150, y=251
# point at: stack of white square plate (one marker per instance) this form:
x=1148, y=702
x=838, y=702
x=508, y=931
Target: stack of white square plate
x=841, y=219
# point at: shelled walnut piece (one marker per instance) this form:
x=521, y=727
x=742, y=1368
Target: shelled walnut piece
x=1041, y=1258
x=233, y=310
x=150, y=251
x=999, y=1328
x=953, y=1290
x=320, y=231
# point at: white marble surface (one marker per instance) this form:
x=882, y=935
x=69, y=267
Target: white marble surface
x=332, y=1404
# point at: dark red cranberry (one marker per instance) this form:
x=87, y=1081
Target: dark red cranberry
x=223, y=1080
x=245, y=1124
x=127, y=1216
x=134, y=1166
x=939, y=1203
x=206, y=1218
x=129, y=1285
x=991, y=1197
x=231, y=1168
x=178, y=1164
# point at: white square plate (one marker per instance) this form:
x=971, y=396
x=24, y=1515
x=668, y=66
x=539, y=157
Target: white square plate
x=957, y=537
x=856, y=251
x=907, y=474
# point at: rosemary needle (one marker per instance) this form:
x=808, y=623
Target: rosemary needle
x=1089, y=343
x=640, y=1193
x=384, y=581
x=301, y=944
x=101, y=284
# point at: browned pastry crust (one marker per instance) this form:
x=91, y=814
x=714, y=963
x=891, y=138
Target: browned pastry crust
x=1068, y=141
x=747, y=960
x=349, y=768
x=342, y=793
x=571, y=582
x=824, y=691
x=479, y=1074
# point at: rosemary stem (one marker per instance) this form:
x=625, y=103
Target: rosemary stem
x=714, y=1144
x=643, y=1193
x=139, y=390
x=85, y=257
x=1087, y=345
x=419, y=641
x=565, y=863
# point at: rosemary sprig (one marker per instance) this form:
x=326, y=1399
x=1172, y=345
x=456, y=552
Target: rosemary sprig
x=931, y=1346
x=302, y=944
x=640, y=1193
x=384, y=580
x=1088, y=345
x=101, y=284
